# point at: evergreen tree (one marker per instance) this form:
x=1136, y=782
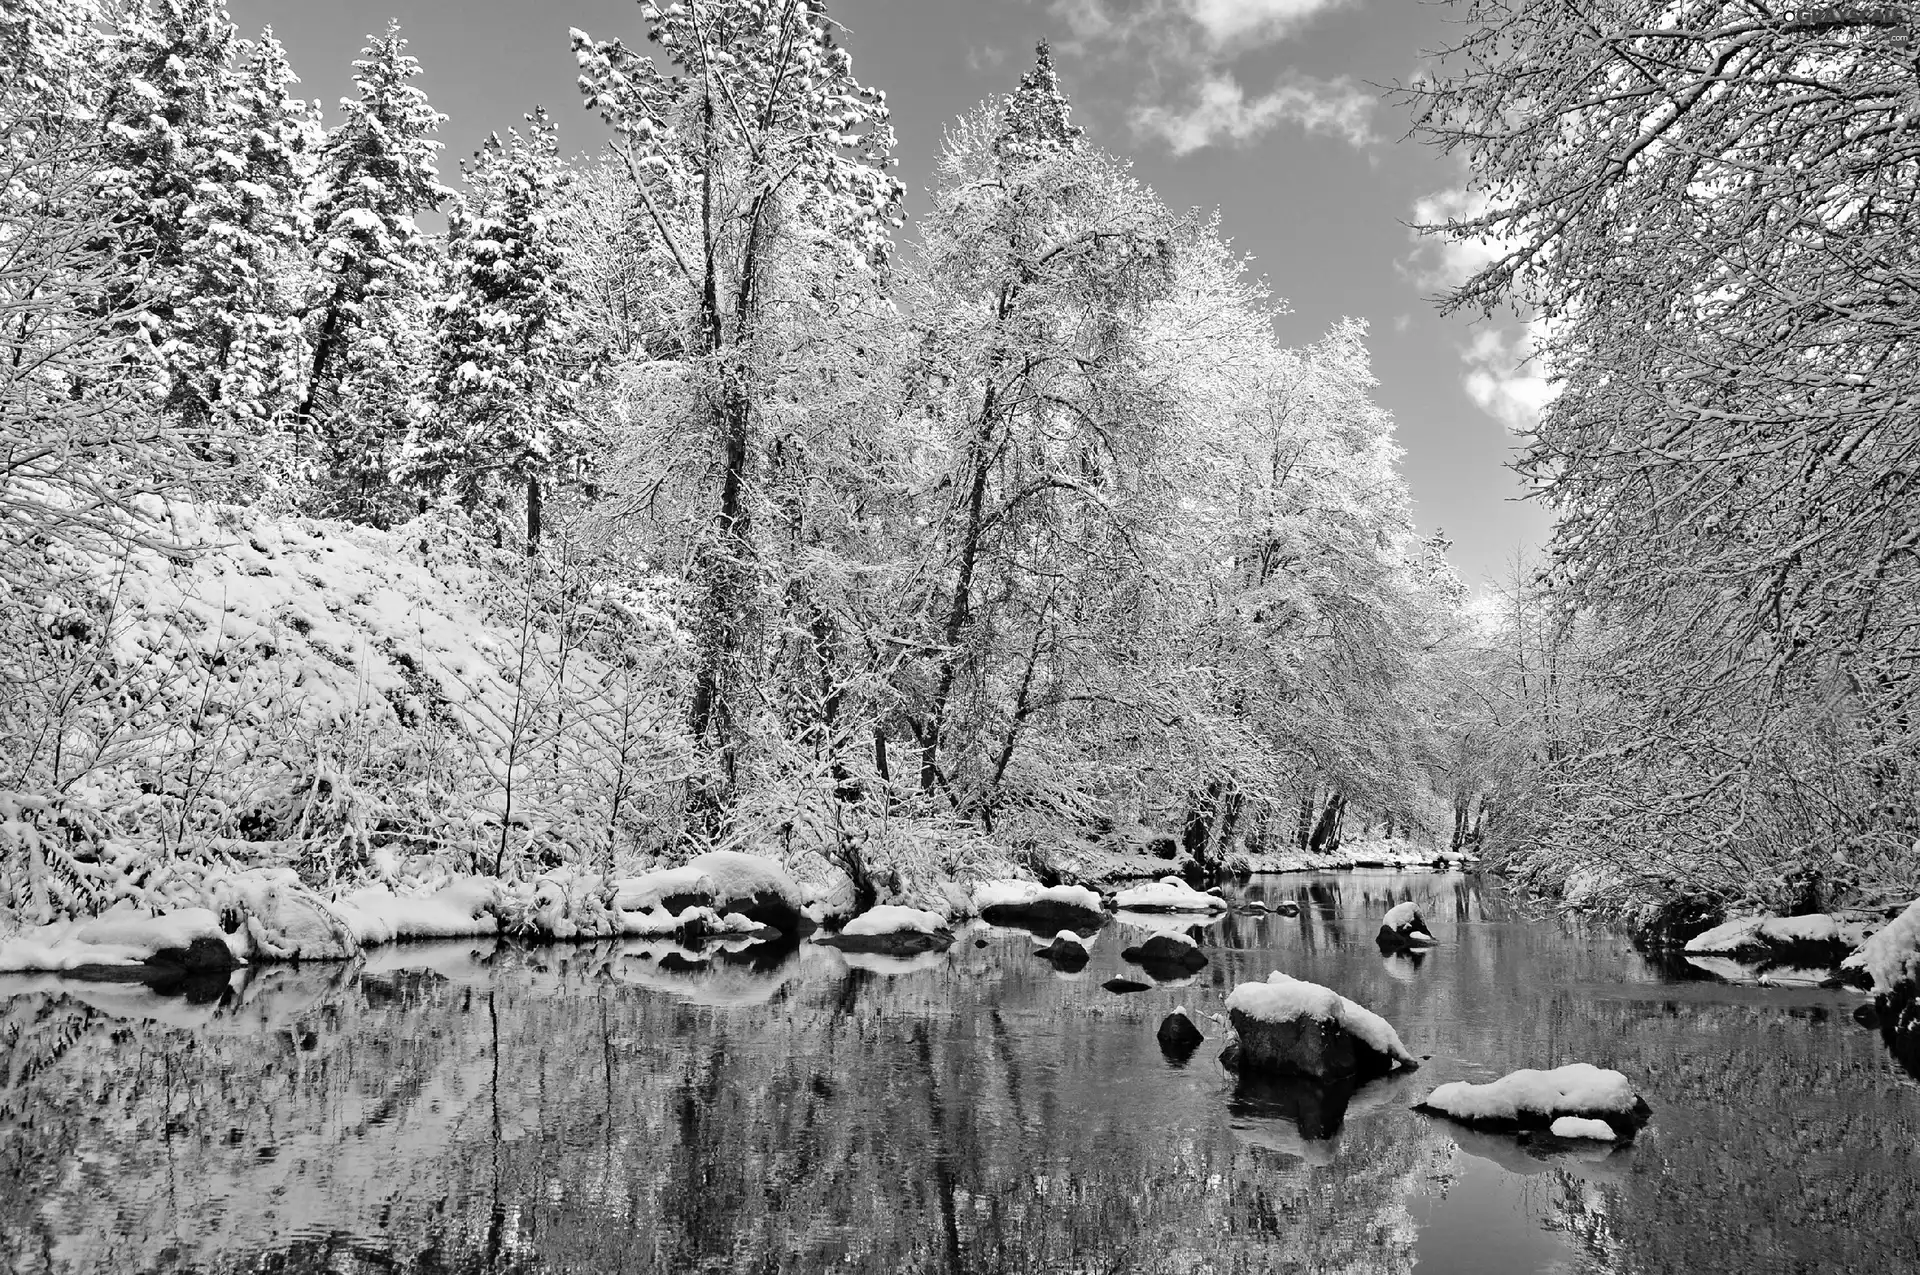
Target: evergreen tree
x=238, y=335
x=375, y=268
x=165, y=76
x=500, y=417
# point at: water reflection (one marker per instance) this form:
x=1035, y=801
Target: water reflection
x=645, y=1107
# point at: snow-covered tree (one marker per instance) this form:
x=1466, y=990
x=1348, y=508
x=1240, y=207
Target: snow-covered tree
x=758, y=143
x=1039, y=263
x=377, y=273
x=500, y=421
x=1722, y=248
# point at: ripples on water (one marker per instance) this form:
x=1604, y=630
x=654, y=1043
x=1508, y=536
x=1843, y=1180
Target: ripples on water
x=471, y=1107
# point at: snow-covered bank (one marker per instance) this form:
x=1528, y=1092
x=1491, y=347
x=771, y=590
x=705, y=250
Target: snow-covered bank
x=267, y=915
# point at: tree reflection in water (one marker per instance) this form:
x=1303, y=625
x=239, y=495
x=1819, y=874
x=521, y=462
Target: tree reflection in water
x=476, y=1108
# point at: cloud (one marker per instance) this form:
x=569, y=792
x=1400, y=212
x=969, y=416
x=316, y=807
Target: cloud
x=1220, y=24
x=1229, y=21
x=1218, y=110
x=1506, y=376
x=1180, y=54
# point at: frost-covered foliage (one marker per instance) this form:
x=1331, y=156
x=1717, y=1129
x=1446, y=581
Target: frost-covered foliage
x=1721, y=251
x=656, y=508
x=333, y=698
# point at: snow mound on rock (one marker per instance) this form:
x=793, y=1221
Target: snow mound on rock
x=990, y=894
x=1400, y=915
x=1283, y=998
x=1579, y=1127
x=1892, y=955
x=891, y=919
x=718, y=875
x=120, y=936
x=1577, y=1089
x=1169, y=894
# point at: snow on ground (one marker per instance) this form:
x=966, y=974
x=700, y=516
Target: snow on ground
x=1578, y=1127
x=1283, y=998
x=1576, y=1089
x=121, y=936
x=467, y=908
x=995, y=893
x=1892, y=955
x=891, y=919
x=1169, y=894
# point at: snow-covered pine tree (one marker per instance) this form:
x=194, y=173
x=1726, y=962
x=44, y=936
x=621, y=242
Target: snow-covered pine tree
x=376, y=272
x=237, y=335
x=498, y=425
x=165, y=69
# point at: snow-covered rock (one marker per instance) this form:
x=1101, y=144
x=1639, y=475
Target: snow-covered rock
x=1067, y=951
x=1169, y=894
x=1817, y=940
x=1292, y=1027
x=1891, y=960
x=1891, y=957
x=724, y=881
x=1044, y=909
x=1403, y=927
x=1178, y=1036
x=127, y=939
x=276, y=918
x=1530, y=1099
x=1166, y=955
x=892, y=931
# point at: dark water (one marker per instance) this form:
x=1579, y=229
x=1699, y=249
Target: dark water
x=462, y=1108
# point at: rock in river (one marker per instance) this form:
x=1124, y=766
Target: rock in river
x=1290, y=1027
x=1403, y=928
x=1530, y=1099
x=1167, y=956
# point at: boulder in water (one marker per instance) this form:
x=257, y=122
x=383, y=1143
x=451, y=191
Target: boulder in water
x=892, y=931
x=1178, y=1036
x=1293, y=1028
x=1530, y=1099
x=1122, y=986
x=1044, y=910
x=1890, y=960
x=1167, y=956
x=1404, y=928
x=1067, y=952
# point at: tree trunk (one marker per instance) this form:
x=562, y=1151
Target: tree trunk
x=1303, y=830
x=533, y=515
x=1326, y=833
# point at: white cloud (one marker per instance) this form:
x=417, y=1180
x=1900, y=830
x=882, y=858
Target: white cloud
x=1506, y=377
x=1176, y=23
x=1179, y=55
x=1230, y=21
x=1218, y=110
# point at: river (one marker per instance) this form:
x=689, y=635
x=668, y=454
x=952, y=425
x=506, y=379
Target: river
x=476, y=1107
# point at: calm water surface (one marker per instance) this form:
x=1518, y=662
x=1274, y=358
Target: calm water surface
x=470, y=1108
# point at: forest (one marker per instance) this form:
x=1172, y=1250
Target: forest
x=382, y=521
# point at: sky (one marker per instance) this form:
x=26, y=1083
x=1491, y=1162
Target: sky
x=1270, y=111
